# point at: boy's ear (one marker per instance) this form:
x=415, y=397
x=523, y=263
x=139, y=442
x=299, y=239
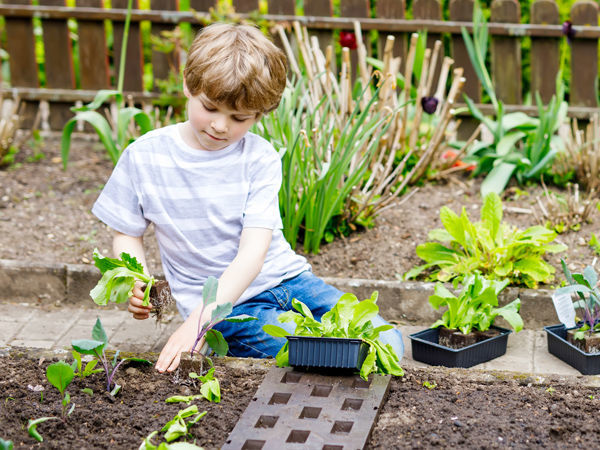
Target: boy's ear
x=186, y=91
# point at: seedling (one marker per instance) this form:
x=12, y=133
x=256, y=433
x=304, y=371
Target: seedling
x=174, y=429
x=96, y=346
x=429, y=385
x=476, y=305
x=81, y=371
x=60, y=375
x=586, y=286
x=214, y=338
x=210, y=389
x=349, y=318
x=595, y=244
x=6, y=445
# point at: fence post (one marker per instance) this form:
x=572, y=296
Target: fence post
x=462, y=11
x=392, y=9
x=584, y=56
x=318, y=8
x=134, y=59
x=545, y=52
x=356, y=8
x=506, y=53
x=93, y=54
x=245, y=6
x=20, y=47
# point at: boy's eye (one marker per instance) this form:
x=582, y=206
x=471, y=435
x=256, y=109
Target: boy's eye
x=240, y=119
x=208, y=108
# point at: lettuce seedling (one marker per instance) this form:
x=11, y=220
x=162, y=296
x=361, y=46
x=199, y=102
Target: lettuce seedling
x=118, y=279
x=81, y=371
x=6, y=445
x=214, y=338
x=349, y=318
x=95, y=347
x=586, y=286
x=210, y=389
x=174, y=429
x=476, y=305
x=60, y=375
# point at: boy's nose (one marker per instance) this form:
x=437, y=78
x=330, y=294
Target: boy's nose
x=219, y=125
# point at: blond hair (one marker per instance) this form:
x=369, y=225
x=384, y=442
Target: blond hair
x=236, y=65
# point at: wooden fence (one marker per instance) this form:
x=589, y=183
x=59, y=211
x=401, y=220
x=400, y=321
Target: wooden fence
x=97, y=61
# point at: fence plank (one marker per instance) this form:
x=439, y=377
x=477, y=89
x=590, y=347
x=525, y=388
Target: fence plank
x=355, y=8
x=134, y=59
x=93, y=55
x=430, y=9
x=245, y=6
x=163, y=63
x=506, y=53
x=392, y=9
x=20, y=47
x=462, y=10
x=58, y=59
x=545, y=52
x=283, y=7
x=319, y=8
x=584, y=56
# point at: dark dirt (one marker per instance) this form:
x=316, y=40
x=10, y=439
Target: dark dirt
x=45, y=216
x=461, y=408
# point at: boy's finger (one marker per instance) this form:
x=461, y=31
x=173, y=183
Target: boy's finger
x=174, y=363
x=138, y=303
x=139, y=311
x=141, y=316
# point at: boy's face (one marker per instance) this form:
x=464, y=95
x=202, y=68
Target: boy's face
x=214, y=126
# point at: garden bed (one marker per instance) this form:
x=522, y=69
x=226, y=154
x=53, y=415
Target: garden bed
x=425, y=408
x=45, y=217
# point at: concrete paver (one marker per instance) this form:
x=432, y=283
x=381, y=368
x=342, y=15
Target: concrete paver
x=35, y=327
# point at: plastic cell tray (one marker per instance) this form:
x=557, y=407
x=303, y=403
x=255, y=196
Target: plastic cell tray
x=425, y=348
x=310, y=352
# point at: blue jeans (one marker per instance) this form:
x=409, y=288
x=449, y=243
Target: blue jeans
x=247, y=339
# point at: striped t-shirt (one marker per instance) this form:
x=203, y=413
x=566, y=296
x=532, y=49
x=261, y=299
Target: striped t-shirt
x=199, y=202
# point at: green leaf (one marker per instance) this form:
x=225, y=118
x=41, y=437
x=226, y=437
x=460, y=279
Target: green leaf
x=32, y=427
x=98, y=332
x=432, y=252
x=217, y=342
x=87, y=346
x=363, y=312
x=209, y=291
x=283, y=356
x=221, y=312
x=211, y=390
x=369, y=363
x=506, y=145
x=510, y=313
x=491, y=213
x=183, y=398
x=452, y=224
x=60, y=375
x=497, y=179
x=240, y=318
x=302, y=308
x=275, y=331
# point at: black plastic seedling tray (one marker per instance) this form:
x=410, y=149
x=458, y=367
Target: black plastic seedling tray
x=425, y=348
x=586, y=363
x=308, y=352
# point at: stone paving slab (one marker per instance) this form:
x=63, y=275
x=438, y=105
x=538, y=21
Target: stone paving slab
x=54, y=328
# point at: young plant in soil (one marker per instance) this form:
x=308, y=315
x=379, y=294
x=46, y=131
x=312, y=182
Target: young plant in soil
x=80, y=370
x=349, y=318
x=175, y=429
x=210, y=389
x=95, y=347
x=60, y=375
x=497, y=250
x=587, y=335
x=470, y=315
x=118, y=280
x=6, y=445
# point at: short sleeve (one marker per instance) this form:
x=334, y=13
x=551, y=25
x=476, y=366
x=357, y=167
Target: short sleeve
x=262, y=205
x=119, y=205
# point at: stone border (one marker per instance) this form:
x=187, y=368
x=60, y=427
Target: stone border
x=404, y=301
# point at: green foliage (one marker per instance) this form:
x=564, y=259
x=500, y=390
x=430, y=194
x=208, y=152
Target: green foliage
x=522, y=146
x=178, y=427
x=595, y=244
x=586, y=286
x=118, y=279
x=210, y=388
x=349, y=318
x=81, y=371
x=6, y=445
x=96, y=347
x=496, y=249
x=476, y=306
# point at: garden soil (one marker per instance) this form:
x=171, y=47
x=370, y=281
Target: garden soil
x=45, y=217
x=460, y=408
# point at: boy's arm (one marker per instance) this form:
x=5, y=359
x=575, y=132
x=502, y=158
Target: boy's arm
x=134, y=245
x=254, y=244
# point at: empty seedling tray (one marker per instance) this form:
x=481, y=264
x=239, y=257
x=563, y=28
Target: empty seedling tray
x=425, y=348
x=309, y=352
x=586, y=363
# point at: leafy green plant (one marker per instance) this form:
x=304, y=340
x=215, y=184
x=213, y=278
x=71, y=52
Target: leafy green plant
x=120, y=131
x=6, y=445
x=81, y=371
x=522, y=146
x=586, y=286
x=214, y=338
x=349, y=318
x=118, y=279
x=496, y=249
x=209, y=390
x=60, y=375
x=595, y=244
x=475, y=308
x=175, y=429
x=96, y=347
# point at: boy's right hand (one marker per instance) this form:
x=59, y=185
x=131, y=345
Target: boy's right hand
x=136, y=307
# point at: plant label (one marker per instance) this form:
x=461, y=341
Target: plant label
x=564, y=309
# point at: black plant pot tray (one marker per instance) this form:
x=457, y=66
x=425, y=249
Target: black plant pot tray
x=425, y=348
x=326, y=353
x=586, y=363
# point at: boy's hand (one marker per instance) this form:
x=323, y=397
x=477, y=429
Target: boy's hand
x=180, y=341
x=136, y=307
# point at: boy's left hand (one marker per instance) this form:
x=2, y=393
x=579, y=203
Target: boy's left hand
x=180, y=341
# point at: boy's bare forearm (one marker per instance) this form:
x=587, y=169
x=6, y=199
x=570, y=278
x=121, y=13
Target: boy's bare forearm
x=133, y=245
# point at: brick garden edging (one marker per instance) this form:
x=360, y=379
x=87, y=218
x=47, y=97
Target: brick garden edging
x=404, y=301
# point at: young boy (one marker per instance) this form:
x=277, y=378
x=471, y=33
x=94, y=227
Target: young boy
x=210, y=187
